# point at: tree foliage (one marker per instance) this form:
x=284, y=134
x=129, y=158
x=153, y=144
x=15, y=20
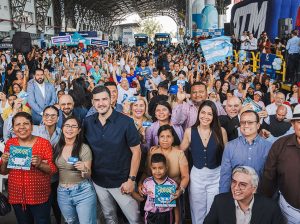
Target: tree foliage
x=150, y=27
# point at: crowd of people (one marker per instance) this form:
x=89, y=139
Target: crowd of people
x=106, y=126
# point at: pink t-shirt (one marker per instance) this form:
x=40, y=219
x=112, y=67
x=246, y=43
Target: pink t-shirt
x=149, y=189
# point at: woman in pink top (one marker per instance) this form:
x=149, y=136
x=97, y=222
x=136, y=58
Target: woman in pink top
x=163, y=112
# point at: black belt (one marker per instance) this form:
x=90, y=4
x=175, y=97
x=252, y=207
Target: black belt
x=295, y=54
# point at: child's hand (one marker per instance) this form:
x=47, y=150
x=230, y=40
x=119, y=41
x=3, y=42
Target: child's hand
x=141, y=189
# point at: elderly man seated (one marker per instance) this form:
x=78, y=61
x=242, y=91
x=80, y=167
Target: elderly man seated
x=243, y=204
x=276, y=126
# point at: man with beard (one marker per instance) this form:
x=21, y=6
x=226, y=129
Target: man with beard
x=114, y=140
x=66, y=104
x=40, y=95
x=186, y=110
x=112, y=86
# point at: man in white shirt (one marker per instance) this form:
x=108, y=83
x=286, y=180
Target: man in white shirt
x=152, y=83
x=67, y=55
x=244, y=41
x=50, y=54
x=252, y=43
x=279, y=99
x=124, y=92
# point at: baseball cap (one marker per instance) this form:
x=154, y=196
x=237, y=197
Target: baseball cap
x=173, y=89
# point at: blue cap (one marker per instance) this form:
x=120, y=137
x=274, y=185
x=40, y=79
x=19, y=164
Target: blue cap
x=173, y=89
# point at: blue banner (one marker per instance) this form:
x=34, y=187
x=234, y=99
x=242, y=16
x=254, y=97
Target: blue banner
x=61, y=39
x=103, y=43
x=216, y=49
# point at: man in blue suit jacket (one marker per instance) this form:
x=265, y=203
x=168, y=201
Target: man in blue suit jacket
x=40, y=95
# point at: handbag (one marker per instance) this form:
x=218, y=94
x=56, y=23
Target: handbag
x=5, y=207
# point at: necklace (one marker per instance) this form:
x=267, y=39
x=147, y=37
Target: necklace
x=204, y=138
x=207, y=137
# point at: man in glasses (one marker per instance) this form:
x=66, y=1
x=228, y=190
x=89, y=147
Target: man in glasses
x=67, y=109
x=249, y=149
x=243, y=204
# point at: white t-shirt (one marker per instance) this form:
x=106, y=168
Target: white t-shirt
x=244, y=43
x=125, y=94
x=42, y=87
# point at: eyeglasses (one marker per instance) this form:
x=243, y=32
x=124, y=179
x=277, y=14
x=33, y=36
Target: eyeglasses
x=241, y=185
x=52, y=116
x=243, y=123
x=71, y=126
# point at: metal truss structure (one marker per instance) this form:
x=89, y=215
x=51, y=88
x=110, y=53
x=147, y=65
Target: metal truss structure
x=104, y=14
x=41, y=7
x=16, y=11
x=99, y=14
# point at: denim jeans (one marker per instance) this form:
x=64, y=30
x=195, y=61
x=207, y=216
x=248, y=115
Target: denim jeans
x=78, y=203
x=39, y=213
x=292, y=215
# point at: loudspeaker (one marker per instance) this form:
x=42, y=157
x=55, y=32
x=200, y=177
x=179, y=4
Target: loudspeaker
x=285, y=26
x=22, y=42
x=227, y=29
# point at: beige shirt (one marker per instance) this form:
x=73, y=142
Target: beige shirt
x=68, y=175
x=241, y=216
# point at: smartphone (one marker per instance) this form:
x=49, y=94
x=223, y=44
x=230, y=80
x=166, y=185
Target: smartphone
x=146, y=124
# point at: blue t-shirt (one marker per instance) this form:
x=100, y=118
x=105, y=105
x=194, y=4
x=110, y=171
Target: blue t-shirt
x=142, y=72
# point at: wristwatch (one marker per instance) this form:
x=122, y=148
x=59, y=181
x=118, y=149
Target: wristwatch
x=133, y=178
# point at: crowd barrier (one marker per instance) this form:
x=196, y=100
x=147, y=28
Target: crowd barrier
x=254, y=60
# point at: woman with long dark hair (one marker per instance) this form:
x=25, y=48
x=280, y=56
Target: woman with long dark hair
x=223, y=91
x=206, y=139
x=292, y=96
x=75, y=194
x=82, y=97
